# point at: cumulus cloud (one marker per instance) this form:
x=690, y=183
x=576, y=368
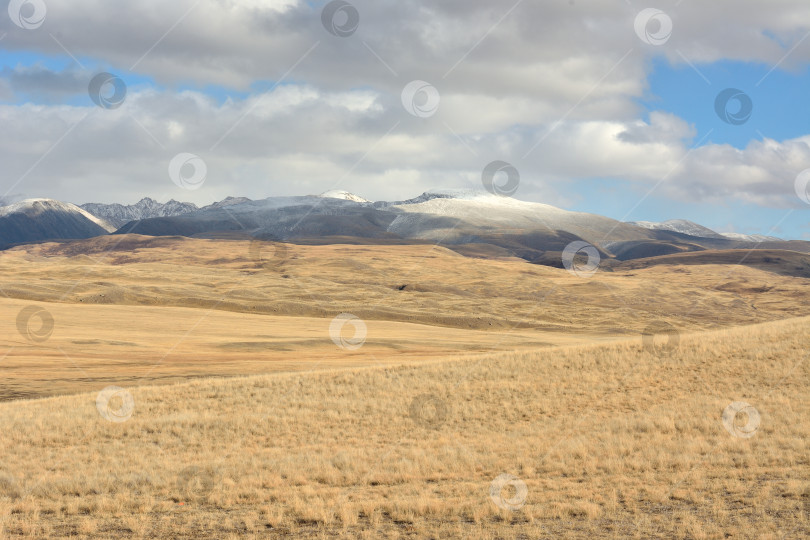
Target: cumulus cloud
x=553, y=87
x=297, y=139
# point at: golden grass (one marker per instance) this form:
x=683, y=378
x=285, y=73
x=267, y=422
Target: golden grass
x=610, y=441
x=140, y=310
x=95, y=345
x=589, y=432
x=412, y=283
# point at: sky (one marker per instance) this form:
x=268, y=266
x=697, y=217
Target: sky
x=634, y=110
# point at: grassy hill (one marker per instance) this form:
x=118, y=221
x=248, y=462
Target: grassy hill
x=610, y=440
x=134, y=310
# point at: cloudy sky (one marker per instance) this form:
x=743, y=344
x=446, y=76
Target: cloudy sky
x=635, y=110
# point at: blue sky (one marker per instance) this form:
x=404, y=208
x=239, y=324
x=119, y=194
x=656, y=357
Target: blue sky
x=781, y=108
x=781, y=111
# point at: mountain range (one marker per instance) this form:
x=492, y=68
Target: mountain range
x=471, y=223
x=118, y=214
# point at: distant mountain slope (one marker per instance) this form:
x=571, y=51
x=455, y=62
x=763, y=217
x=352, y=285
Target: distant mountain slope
x=118, y=214
x=34, y=220
x=227, y=201
x=691, y=228
x=455, y=219
x=286, y=218
x=475, y=213
x=751, y=237
x=469, y=222
x=682, y=226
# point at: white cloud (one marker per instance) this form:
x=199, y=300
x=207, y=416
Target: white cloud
x=296, y=140
x=563, y=76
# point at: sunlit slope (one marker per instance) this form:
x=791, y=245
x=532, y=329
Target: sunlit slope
x=91, y=346
x=415, y=283
x=600, y=441
x=139, y=310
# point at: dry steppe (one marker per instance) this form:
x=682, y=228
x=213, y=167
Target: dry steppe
x=139, y=310
x=488, y=398
x=609, y=441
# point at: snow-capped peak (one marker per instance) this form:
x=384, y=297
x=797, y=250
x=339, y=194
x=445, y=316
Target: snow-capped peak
x=35, y=207
x=345, y=195
x=453, y=201
x=118, y=214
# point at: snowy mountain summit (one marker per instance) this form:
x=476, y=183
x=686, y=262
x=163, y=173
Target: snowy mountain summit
x=345, y=195
x=33, y=208
x=33, y=220
x=119, y=214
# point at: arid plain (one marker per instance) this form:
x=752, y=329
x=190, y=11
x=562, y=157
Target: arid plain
x=597, y=403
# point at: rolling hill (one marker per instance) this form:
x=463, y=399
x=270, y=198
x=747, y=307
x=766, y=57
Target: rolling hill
x=141, y=309
x=589, y=441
